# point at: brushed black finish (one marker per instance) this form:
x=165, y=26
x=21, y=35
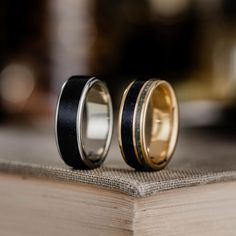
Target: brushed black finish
x=127, y=124
x=66, y=121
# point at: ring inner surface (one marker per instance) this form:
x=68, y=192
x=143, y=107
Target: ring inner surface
x=95, y=122
x=158, y=124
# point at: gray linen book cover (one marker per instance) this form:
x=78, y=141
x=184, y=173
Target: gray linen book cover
x=199, y=159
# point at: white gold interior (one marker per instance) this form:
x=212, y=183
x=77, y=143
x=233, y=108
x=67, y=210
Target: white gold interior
x=95, y=123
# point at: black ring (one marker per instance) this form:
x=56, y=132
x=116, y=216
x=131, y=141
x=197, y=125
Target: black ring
x=127, y=124
x=66, y=123
x=134, y=145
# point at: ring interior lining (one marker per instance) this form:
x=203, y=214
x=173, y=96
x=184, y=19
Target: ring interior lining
x=159, y=122
x=95, y=122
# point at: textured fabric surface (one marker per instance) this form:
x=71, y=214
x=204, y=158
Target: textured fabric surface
x=200, y=158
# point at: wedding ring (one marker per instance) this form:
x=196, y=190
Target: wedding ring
x=84, y=122
x=148, y=124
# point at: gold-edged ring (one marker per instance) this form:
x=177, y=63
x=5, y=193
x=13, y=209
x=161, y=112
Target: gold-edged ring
x=148, y=124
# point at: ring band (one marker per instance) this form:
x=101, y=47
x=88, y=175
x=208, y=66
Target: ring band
x=148, y=124
x=83, y=122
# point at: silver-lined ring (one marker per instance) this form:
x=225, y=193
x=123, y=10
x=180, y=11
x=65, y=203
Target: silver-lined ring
x=84, y=122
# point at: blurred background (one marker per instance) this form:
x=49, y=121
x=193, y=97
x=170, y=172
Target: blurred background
x=190, y=43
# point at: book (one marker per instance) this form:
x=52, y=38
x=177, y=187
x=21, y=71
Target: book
x=33, y=206
x=40, y=195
